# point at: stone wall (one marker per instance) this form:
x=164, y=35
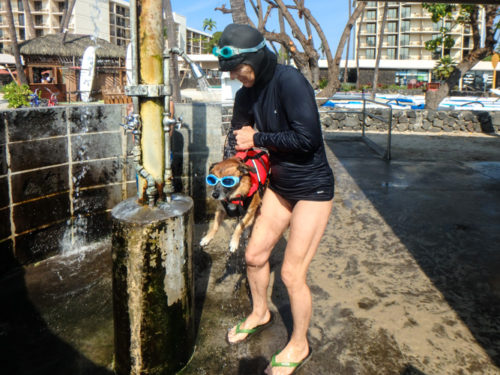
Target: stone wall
x=415, y=121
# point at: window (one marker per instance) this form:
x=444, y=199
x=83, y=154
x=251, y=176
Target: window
x=405, y=39
x=20, y=18
x=370, y=41
x=392, y=13
x=370, y=53
x=371, y=14
x=466, y=42
x=370, y=28
x=37, y=6
x=406, y=12
x=391, y=40
x=405, y=26
x=22, y=34
x=38, y=32
x=371, y=4
x=38, y=20
x=404, y=53
x=1, y=33
x=60, y=7
x=20, y=5
x=391, y=53
x=392, y=27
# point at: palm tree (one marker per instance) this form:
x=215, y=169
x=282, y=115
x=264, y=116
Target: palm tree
x=444, y=67
x=29, y=20
x=68, y=10
x=239, y=12
x=379, y=51
x=15, y=47
x=209, y=24
x=358, y=36
x=348, y=47
x=172, y=42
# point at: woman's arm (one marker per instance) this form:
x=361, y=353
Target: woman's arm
x=299, y=105
x=241, y=117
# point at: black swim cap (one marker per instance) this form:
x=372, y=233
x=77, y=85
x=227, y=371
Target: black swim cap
x=262, y=61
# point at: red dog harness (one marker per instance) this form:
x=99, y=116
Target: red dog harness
x=259, y=161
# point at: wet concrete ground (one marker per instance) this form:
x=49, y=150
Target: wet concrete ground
x=406, y=279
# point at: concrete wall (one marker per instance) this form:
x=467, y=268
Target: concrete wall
x=61, y=170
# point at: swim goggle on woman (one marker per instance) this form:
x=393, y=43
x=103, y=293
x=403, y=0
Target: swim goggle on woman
x=226, y=181
x=227, y=52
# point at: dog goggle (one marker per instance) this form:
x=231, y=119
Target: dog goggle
x=230, y=51
x=226, y=181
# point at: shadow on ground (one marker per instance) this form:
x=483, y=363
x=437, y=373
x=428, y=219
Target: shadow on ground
x=441, y=199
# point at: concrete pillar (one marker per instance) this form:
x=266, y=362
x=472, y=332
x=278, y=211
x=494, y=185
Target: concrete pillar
x=153, y=288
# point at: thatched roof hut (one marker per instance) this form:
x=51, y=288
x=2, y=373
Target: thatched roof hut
x=69, y=48
x=59, y=56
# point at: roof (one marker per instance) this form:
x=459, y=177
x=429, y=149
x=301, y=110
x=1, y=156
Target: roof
x=72, y=45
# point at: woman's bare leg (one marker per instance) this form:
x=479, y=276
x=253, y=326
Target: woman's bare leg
x=271, y=222
x=307, y=224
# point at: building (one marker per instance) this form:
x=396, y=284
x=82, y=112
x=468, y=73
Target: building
x=404, y=58
x=119, y=22
x=105, y=19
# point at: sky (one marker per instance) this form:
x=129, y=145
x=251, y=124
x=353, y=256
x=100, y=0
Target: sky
x=332, y=15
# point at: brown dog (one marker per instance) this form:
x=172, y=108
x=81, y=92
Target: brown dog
x=234, y=200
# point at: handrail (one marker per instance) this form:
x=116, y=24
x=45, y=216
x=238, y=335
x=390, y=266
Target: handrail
x=385, y=155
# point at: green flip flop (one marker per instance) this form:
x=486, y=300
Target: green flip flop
x=296, y=365
x=250, y=331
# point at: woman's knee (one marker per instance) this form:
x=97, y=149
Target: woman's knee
x=256, y=258
x=291, y=276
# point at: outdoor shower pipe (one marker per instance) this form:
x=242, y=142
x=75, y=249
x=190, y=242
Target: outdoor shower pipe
x=168, y=115
x=133, y=121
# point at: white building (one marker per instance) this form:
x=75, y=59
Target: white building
x=403, y=56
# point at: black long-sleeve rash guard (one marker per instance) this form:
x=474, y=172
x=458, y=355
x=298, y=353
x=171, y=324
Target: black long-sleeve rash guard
x=286, y=116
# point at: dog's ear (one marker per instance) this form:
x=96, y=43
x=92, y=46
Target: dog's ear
x=211, y=166
x=246, y=169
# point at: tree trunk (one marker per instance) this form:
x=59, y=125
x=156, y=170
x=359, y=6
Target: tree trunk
x=67, y=15
x=348, y=47
x=379, y=51
x=239, y=12
x=333, y=64
x=434, y=98
x=172, y=42
x=358, y=36
x=15, y=47
x=29, y=20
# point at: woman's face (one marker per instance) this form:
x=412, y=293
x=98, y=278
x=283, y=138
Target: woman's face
x=245, y=74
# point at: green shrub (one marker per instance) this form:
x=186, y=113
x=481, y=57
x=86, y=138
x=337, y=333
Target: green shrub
x=16, y=95
x=322, y=83
x=347, y=87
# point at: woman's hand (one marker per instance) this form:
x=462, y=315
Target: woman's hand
x=244, y=138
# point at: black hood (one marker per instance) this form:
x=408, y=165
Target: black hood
x=263, y=62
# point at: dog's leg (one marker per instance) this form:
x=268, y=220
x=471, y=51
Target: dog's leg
x=219, y=216
x=245, y=222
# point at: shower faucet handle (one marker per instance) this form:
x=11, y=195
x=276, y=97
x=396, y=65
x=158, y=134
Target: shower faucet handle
x=132, y=124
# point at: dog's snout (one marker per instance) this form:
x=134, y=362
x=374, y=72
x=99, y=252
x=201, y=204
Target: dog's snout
x=215, y=194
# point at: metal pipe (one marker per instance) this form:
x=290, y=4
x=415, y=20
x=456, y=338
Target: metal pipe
x=168, y=122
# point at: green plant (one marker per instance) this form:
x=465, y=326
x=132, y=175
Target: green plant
x=322, y=83
x=444, y=67
x=16, y=95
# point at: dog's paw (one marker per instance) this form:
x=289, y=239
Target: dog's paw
x=205, y=241
x=233, y=246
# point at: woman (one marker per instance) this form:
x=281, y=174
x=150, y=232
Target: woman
x=279, y=101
